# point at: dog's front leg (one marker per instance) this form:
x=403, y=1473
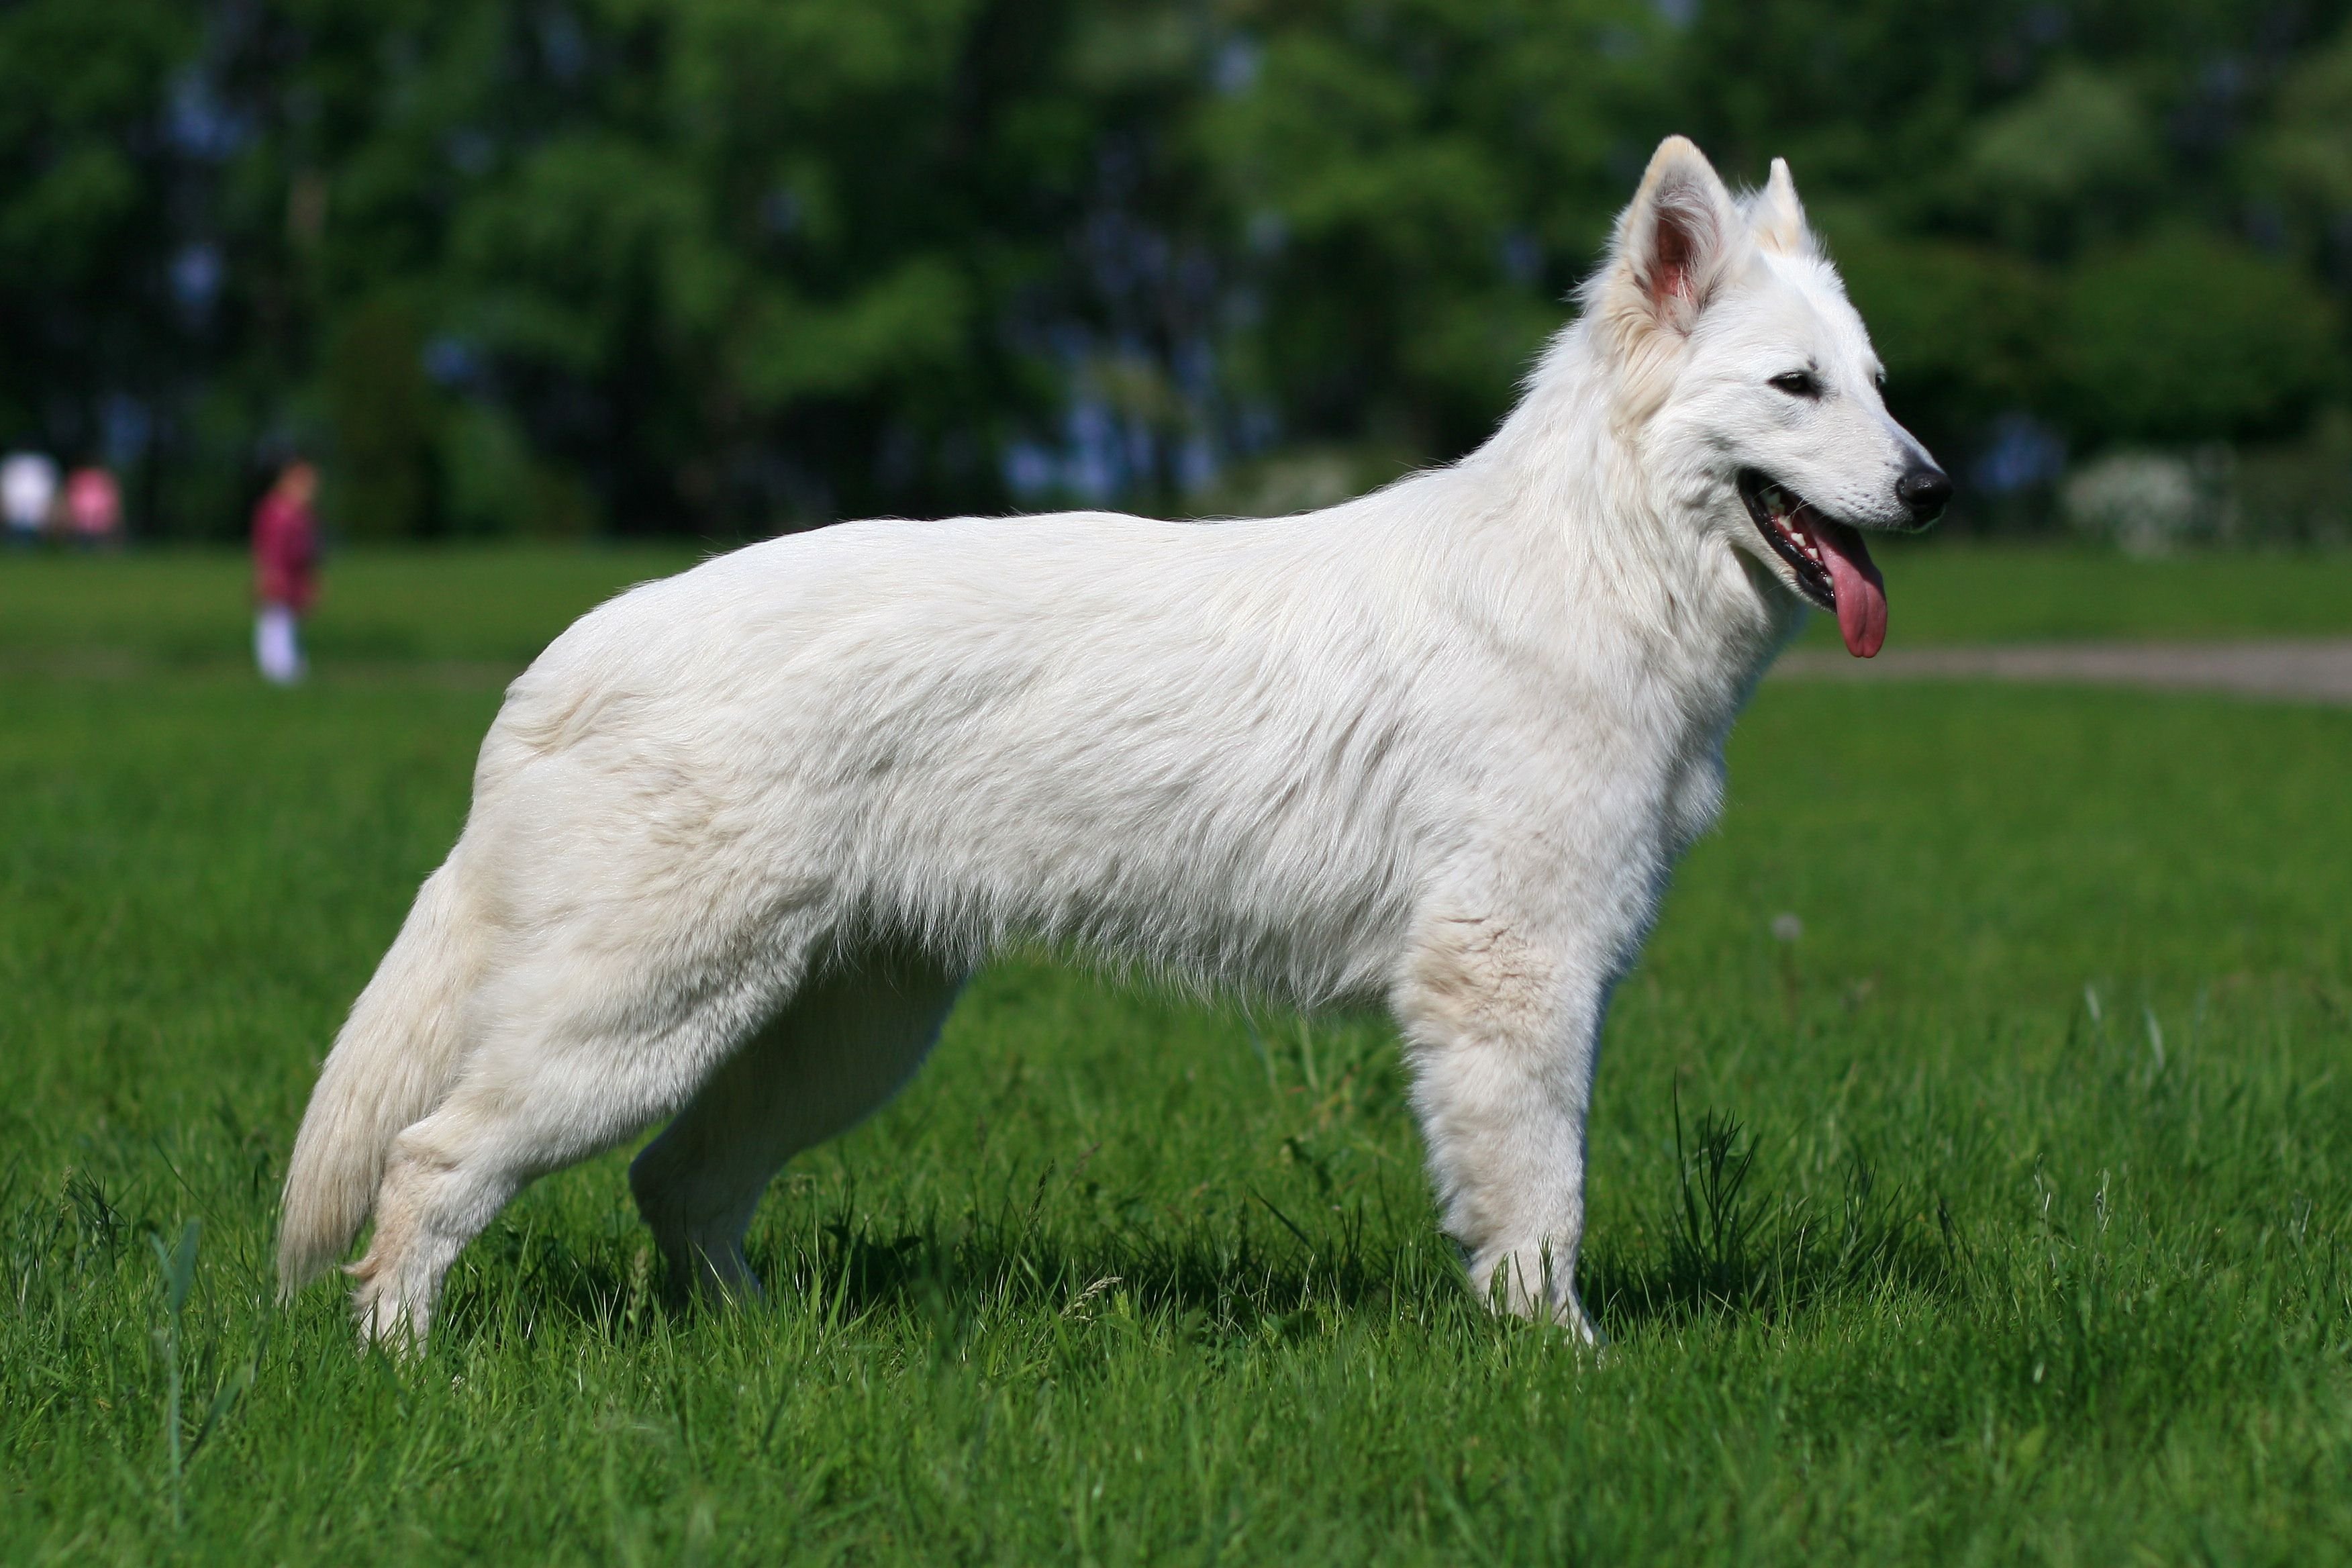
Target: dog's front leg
x=1502, y=1033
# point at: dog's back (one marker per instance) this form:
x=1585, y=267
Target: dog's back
x=1198, y=746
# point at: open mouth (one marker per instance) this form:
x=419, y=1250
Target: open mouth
x=1830, y=562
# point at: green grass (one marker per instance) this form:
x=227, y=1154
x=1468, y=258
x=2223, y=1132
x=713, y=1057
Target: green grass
x=192, y=609
x=495, y=607
x=2030, y=1243
x=1958, y=591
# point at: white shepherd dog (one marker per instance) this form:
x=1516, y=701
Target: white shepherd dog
x=738, y=837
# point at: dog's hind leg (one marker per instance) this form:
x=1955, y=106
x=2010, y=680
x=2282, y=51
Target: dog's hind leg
x=842, y=1048
x=577, y=1048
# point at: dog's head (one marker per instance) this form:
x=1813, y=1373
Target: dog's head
x=1754, y=385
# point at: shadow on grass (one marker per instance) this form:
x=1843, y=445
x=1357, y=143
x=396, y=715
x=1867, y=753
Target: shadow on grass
x=1251, y=1272
x=1731, y=1250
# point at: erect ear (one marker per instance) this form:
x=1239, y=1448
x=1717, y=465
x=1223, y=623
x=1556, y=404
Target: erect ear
x=1776, y=218
x=1676, y=241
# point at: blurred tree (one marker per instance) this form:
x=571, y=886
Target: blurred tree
x=727, y=265
x=2301, y=167
x=2074, y=161
x=1966, y=330
x=2189, y=338
x=98, y=304
x=383, y=422
x=1416, y=185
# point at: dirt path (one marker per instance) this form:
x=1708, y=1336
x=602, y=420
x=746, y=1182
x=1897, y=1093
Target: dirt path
x=2312, y=671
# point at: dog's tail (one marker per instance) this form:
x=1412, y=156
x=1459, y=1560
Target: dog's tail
x=395, y=1059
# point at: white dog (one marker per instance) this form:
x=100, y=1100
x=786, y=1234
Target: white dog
x=738, y=837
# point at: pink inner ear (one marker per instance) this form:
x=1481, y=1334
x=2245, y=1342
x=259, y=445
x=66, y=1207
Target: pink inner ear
x=1674, y=247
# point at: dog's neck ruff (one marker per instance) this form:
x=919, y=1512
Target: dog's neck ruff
x=1652, y=598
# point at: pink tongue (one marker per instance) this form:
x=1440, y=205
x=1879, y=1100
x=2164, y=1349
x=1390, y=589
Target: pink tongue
x=1861, y=592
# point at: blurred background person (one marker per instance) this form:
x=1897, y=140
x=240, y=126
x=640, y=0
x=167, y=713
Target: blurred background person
x=93, y=511
x=28, y=489
x=284, y=571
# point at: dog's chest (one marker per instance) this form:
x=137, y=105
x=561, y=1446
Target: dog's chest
x=1693, y=795
x=1704, y=706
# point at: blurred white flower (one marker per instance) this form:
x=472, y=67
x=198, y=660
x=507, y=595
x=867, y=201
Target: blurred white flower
x=2151, y=503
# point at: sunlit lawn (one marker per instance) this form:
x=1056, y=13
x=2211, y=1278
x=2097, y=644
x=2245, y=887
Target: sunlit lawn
x=2029, y=1245
x=495, y=606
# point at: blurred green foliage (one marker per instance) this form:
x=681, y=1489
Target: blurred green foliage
x=2187, y=337
x=554, y=266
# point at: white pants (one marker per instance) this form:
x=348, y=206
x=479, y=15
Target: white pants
x=275, y=647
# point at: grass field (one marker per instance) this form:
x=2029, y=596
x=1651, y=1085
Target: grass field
x=385, y=611
x=2000, y=1217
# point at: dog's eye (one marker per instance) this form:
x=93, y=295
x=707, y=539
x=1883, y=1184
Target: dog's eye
x=1798, y=383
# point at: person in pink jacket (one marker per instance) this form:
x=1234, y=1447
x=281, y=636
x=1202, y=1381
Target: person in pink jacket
x=94, y=507
x=285, y=572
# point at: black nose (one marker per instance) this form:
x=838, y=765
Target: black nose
x=1924, y=490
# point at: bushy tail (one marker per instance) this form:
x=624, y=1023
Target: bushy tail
x=396, y=1057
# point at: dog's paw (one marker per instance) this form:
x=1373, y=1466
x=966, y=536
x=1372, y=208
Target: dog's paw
x=386, y=1319
x=1528, y=1283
